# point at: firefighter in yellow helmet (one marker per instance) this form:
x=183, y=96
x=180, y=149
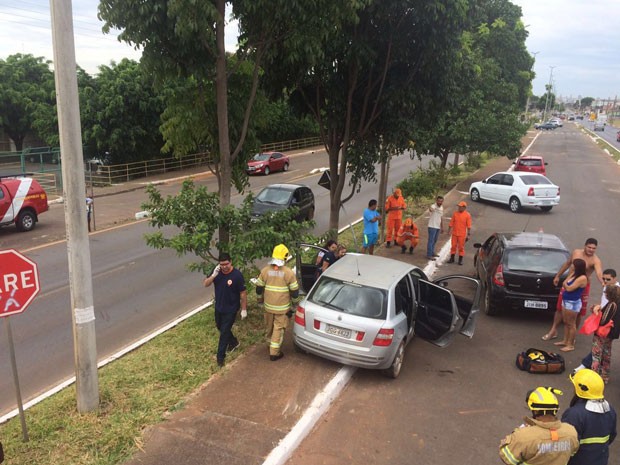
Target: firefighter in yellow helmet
x=278, y=291
x=542, y=439
x=593, y=418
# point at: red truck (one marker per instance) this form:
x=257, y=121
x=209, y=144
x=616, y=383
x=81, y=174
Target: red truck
x=22, y=200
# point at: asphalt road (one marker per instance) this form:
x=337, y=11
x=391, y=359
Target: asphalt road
x=160, y=289
x=453, y=405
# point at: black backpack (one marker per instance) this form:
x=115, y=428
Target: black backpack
x=540, y=361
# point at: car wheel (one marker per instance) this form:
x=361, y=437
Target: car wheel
x=475, y=195
x=489, y=308
x=514, y=204
x=285, y=168
x=546, y=209
x=310, y=214
x=26, y=221
x=397, y=363
x=267, y=171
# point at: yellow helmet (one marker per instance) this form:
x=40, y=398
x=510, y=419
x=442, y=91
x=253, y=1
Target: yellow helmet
x=279, y=255
x=536, y=355
x=543, y=398
x=588, y=384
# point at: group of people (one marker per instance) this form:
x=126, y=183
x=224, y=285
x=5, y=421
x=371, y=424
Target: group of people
x=277, y=292
x=405, y=234
x=581, y=437
x=330, y=255
x=572, y=307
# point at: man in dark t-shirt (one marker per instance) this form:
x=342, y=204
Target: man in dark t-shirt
x=230, y=295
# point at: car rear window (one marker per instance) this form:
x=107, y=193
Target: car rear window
x=532, y=180
x=274, y=196
x=535, y=259
x=350, y=298
x=530, y=162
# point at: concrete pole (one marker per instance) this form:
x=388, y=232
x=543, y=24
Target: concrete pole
x=74, y=187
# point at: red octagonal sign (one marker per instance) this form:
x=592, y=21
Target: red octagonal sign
x=19, y=282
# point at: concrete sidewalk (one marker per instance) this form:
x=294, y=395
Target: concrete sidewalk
x=242, y=413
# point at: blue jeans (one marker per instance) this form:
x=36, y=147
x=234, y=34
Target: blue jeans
x=433, y=235
x=224, y=323
x=587, y=360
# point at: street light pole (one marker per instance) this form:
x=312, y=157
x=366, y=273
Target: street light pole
x=549, y=86
x=527, y=103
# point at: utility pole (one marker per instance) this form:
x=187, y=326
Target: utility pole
x=74, y=187
x=549, y=87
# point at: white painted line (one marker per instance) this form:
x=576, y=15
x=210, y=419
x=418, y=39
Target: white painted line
x=317, y=408
x=531, y=143
x=104, y=362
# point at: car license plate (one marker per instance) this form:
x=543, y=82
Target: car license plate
x=535, y=304
x=546, y=202
x=336, y=331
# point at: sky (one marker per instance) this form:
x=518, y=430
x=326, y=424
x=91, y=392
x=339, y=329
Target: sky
x=580, y=39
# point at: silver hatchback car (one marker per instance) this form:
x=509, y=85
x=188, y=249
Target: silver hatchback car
x=364, y=310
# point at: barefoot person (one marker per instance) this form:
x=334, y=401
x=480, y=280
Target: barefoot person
x=574, y=286
x=593, y=264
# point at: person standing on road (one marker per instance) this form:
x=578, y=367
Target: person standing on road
x=593, y=418
x=593, y=264
x=610, y=279
x=277, y=290
x=371, y=227
x=460, y=225
x=230, y=295
x=394, y=206
x=542, y=439
x=408, y=232
x=89, y=209
x=573, y=287
x=435, y=226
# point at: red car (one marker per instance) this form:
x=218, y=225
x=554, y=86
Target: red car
x=267, y=162
x=531, y=163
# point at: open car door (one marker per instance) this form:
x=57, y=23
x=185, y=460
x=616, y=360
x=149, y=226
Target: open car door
x=467, y=292
x=307, y=269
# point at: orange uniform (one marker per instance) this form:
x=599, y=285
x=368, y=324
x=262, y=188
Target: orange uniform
x=460, y=224
x=394, y=206
x=408, y=232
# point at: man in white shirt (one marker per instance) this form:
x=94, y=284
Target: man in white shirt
x=435, y=226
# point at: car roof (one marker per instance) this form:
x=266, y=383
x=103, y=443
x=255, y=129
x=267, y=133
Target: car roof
x=368, y=270
x=284, y=187
x=530, y=157
x=514, y=240
x=519, y=173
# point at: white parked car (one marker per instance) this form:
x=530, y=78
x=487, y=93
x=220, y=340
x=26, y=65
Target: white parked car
x=517, y=190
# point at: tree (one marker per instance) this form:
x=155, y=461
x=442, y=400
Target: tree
x=376, y=51
x=26, y=82
x=123, y=113
x=186, y=39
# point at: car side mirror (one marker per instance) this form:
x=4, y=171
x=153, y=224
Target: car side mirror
x=477, y=245
x=484, y=181
x=546, y=163
x=514, y=162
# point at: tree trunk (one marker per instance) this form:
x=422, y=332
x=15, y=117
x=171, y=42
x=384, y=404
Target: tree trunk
x=18, y=141
x=382, y=194
x=221, y=98
x=335, y=188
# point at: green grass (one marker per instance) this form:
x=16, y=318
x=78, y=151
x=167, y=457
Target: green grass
x=135, y=392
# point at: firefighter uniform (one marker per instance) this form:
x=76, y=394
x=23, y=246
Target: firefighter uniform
x=408, y=232
x=278, y=289
x=394, y=206
x=460, y=225
x=539, y=443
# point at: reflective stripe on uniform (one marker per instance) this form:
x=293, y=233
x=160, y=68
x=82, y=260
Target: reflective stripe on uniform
x=595, y=440
x=274, y=345
x=509, y=456
x=277, y=308
x=276, y=288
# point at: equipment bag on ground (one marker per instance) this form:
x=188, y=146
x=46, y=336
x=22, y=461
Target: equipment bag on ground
x=540, y=361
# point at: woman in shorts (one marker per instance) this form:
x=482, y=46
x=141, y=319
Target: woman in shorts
x=573, y=286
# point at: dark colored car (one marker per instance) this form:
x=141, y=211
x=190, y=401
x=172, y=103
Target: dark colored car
x=547, y=126
x=517, y=271
x=267, y=162
x=280, y=196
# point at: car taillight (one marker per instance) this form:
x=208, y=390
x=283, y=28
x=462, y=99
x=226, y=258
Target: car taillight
x=384, y=337
x=300, y=316
x=558, y=191
x=498, y=277
x=530, y=192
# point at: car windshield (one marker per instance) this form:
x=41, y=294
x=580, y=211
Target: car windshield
x=530, y=180
x=350, y=298
x=261, y=157
x=530, y=162
x=274, y=196
x=535, y=260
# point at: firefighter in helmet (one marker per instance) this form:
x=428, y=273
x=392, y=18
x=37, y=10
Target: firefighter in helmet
x=542, y=439
x=278, y=291
x=593, y=418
